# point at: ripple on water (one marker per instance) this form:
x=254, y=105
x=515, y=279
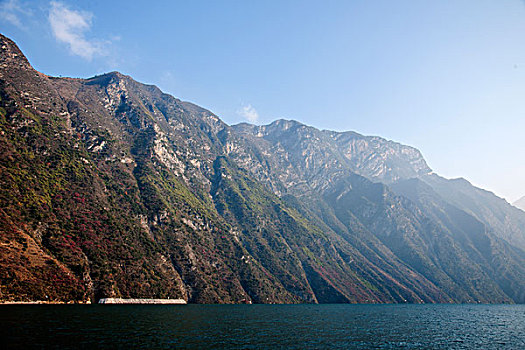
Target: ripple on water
x=265, y=326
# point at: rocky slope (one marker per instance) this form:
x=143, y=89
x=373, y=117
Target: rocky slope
x=111, y=188
x=326, y=154
x=314, y=166
x=503, y=219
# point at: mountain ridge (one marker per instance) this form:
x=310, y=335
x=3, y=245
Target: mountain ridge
x=111, y=188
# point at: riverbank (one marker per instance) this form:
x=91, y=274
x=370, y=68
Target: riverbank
x=139, y=301
x=43, y=302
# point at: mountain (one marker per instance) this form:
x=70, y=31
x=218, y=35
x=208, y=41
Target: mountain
x=111, y=188
x=296, y=164
x=331, y=153
x=505, y=220
x=520, y=203
x=385, y=161
x=477, y=241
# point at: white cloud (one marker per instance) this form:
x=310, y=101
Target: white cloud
x=167, y=77
x=249, y=113
x=12, y=11
x=69, y=27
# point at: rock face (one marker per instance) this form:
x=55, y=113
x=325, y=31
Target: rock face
x=325, y=152
x=303, y=158
x=112, y=189
x=520, y=203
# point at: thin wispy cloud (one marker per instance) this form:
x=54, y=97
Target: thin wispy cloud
x=249, y=113
x=70, y=27
x=13, y=12
x=167, y=77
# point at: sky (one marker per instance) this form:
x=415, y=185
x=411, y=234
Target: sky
x=447, y=77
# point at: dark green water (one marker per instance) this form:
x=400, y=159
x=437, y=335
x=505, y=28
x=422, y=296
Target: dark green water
x=263, y=326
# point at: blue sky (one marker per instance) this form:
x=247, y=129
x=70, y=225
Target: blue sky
x=447, y=77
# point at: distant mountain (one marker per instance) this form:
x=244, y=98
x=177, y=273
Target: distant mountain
x=326, y=155
x=315, y=167
x=478, y=241
x=503, y=219
x=111, y=188
x=520, y=203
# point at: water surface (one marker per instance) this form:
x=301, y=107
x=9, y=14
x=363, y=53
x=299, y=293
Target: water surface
x=264, y=326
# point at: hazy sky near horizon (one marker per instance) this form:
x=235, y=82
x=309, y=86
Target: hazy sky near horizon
x=447, y=77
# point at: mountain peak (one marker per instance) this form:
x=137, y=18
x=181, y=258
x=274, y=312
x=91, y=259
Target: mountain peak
x=285, y=123
x=108, y=78
x=11, y=56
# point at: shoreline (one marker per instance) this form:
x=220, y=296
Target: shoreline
x=103, y=301
x=44, y=302
x=141, y=301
